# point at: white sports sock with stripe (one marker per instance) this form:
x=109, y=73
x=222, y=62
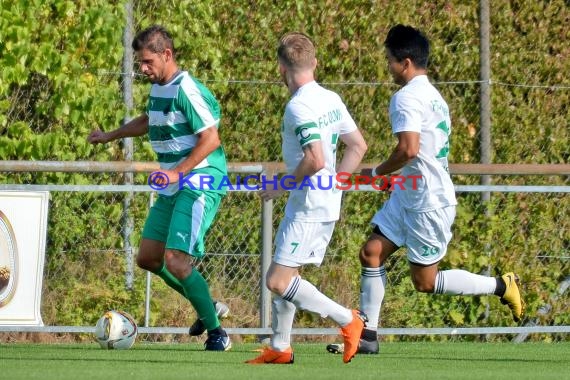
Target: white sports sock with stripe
x=461, y=282
x=282, y=316
x=372, y=289
x=307, y=297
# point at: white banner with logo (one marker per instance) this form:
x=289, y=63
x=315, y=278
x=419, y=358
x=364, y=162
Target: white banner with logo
x=23, y=224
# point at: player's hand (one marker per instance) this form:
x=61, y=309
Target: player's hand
x=173, y=177
x=269, y=194
x=98, y=137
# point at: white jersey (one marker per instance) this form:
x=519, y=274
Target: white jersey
x=419, y=107
x=314, y=113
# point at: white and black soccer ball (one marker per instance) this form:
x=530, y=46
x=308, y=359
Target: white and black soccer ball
x=116, y=330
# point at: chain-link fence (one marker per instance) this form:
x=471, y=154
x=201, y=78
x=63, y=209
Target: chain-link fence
x=528, y=94
x=87, y=266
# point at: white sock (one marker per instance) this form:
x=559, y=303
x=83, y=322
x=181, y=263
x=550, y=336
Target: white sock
x=457, y=281
x=307, y=297
x=282, y=316
x=372, y=289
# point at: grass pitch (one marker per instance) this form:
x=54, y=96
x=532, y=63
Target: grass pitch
x=433, y=360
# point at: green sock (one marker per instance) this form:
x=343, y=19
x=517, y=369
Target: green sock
x=170, y=280
x=198, y=293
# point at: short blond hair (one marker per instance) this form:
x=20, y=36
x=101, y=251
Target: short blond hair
x=296, y=50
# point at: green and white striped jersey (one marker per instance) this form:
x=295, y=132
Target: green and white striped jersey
x=177, y=111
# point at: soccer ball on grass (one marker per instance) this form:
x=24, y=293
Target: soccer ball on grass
x=116, y=330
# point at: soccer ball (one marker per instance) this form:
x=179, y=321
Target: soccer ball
x=116, y=330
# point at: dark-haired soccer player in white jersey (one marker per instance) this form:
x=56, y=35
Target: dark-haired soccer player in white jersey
x=315, y=119
x=418, y=218
x=182, y=120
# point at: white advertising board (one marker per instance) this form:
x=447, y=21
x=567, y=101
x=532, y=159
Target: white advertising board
x=23, y=225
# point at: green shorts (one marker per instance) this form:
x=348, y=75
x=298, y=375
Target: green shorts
x=182, y=220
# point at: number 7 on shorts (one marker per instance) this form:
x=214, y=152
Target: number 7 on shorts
x=294, y=245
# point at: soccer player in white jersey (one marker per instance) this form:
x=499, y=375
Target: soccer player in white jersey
x=314, y=120
x=182, y=120
x=418, y=217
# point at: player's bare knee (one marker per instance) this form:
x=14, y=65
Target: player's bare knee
x=276, y=285
x=142, y=262
x=369, y=255
x=178, y=263
x=272, y=285
x=148, y=262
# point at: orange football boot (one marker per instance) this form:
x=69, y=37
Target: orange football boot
x=269, y=356
x=351, y=334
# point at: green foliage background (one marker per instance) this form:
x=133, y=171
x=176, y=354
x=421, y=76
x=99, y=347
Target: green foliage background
x=61, y=63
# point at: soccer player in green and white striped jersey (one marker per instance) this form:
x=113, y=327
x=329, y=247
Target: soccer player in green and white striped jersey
x=182, y=120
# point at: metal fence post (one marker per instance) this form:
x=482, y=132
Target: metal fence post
x=266, y=252
x=485, y=113
x=147, y=294
x=485, y=93
x=127, y=85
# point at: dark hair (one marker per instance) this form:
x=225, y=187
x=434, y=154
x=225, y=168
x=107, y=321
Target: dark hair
x=155, y=39
x=404, y=41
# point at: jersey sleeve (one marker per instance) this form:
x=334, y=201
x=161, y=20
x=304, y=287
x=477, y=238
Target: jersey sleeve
x=195, y=109
x=405, y=113
x=348, y=125
x=302, y=122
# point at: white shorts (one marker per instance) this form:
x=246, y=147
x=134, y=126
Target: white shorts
x=425, y=234
x=300, y=243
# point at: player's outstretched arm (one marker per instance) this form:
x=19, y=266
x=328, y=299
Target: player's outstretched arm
x=354, y=152
x=136, y=127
